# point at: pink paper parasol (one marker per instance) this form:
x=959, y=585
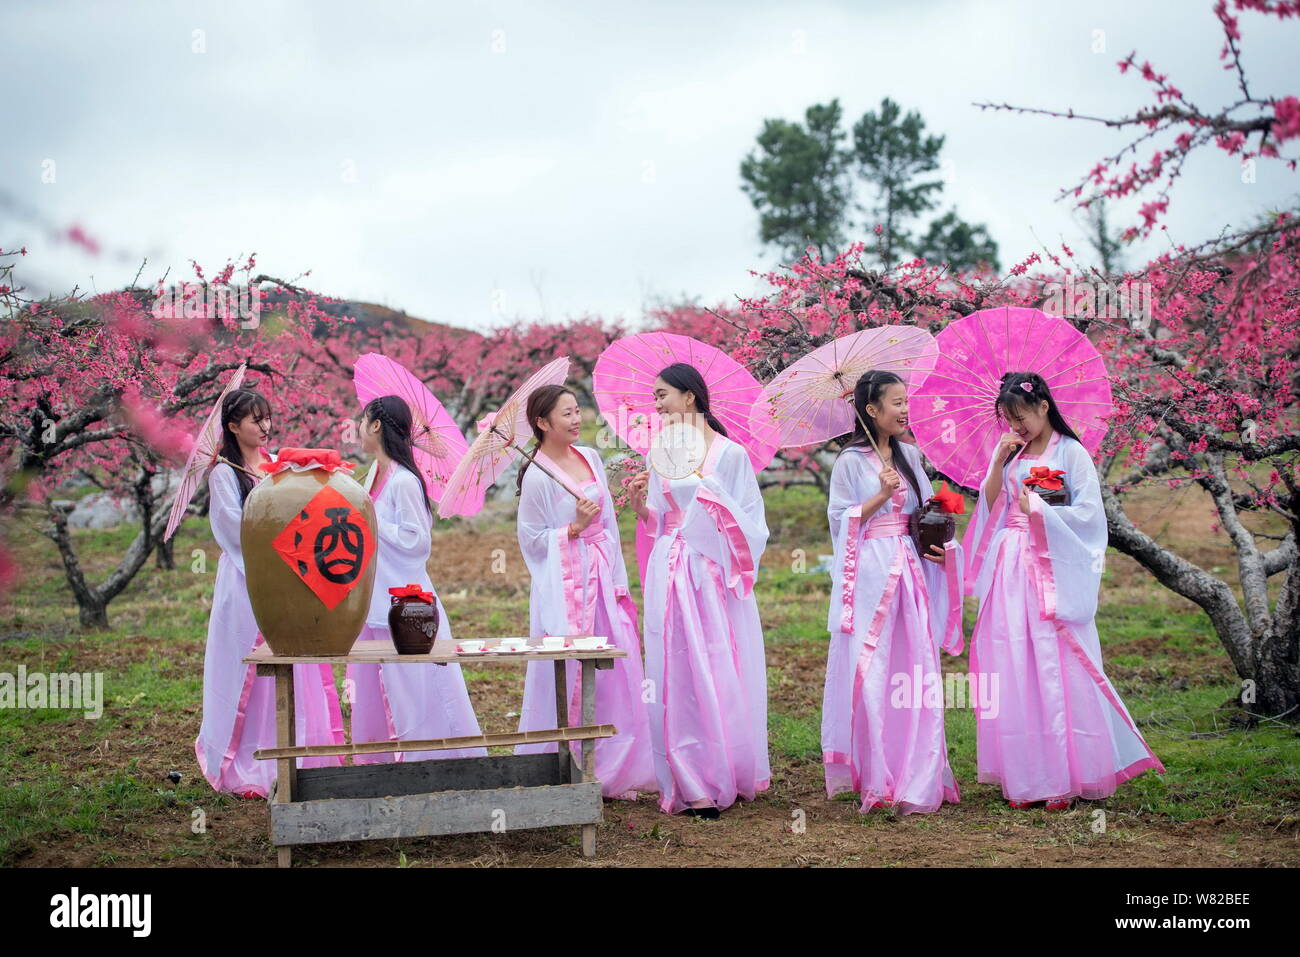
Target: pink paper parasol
x=203, y=455
x=501, y=434
x=437, y=442
x=811, y=400
x=624, y=379
x=952, y=414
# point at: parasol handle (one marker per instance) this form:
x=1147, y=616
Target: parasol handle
x=870, y=437
x=532, y=461
x=222, y=458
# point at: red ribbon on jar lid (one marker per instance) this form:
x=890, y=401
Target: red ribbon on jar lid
x=1048, y=479
x=411, y=591
x=300, y=460
x=949, y=501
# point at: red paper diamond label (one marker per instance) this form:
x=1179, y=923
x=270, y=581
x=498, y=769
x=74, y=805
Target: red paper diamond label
x=328, y=544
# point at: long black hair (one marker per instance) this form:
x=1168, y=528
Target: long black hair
x=684, y=377
x=540, y=404
x=1013, y=396
x=870, y=387
x=394, y=418
x=238, y=405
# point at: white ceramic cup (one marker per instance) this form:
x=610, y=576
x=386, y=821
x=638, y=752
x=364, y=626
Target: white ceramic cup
x=472, y=644
x=553, y=642
x=512, y=644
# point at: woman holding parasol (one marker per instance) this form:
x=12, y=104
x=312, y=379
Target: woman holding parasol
x=890, y=612
x=569, y=538
x=1035, y=548
x=391, y=702
x=704, y=641
x=238, y=706
x=1060, y=731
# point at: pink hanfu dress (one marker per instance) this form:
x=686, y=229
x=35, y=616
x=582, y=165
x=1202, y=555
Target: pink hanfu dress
x=703, y=638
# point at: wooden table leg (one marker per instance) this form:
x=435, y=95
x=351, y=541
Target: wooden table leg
x=588, y=746
x=562, y=718
x=286, y=783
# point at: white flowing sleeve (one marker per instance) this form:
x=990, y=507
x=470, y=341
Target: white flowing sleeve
x=726, y=521
x=226, y=512
x=409, y=533
x=542, y=541
x=987, y=518
x=609, y=519
x=1068, y=542
x=847, y=475
x=844, y=507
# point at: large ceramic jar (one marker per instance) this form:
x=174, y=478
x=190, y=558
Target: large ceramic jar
x=308, y=536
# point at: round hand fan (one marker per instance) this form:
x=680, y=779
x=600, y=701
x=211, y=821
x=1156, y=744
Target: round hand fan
x=676, y=451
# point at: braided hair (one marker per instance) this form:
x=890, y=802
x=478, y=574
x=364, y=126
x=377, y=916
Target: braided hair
x=870, y=386
x=684, y=377
x=237, y=406
x=1014, y=397
x=394, y=418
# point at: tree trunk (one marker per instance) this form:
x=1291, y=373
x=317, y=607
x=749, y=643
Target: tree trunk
x=1279, y=654
x=92, y=601
x=92, y=609
x=92, y=613
x=166, y=559
x=1267, y=656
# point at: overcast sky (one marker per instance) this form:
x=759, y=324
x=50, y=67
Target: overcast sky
x=477, y=162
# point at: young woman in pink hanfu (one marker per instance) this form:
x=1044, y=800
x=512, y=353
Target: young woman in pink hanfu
x=1059, y=731
x=391, y=701
x=238, y=706
x=579, y=587
x=891, y=611
x=704, y=642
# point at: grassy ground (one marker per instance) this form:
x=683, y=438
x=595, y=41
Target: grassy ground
x=95, y=792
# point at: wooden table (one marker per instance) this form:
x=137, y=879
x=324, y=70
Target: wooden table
x=444, y=795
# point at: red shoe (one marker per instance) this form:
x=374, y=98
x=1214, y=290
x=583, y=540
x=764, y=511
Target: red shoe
x=1021, y=805
x=249, y=795
x=1061, y=805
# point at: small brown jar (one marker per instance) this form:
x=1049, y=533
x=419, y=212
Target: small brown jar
x=931, y=525
x=1054, y=496
x=413, y=623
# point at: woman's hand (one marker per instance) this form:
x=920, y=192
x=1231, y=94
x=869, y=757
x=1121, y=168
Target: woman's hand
x=588, y=512
x=1006, y=445
x=637, y=494
x=889, y=481
x=939, y=554
x=992, y=486
x=1024, y=499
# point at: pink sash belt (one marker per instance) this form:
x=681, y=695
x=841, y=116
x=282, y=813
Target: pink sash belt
x=887, y=526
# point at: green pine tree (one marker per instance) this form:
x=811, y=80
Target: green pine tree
x=797, y=180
